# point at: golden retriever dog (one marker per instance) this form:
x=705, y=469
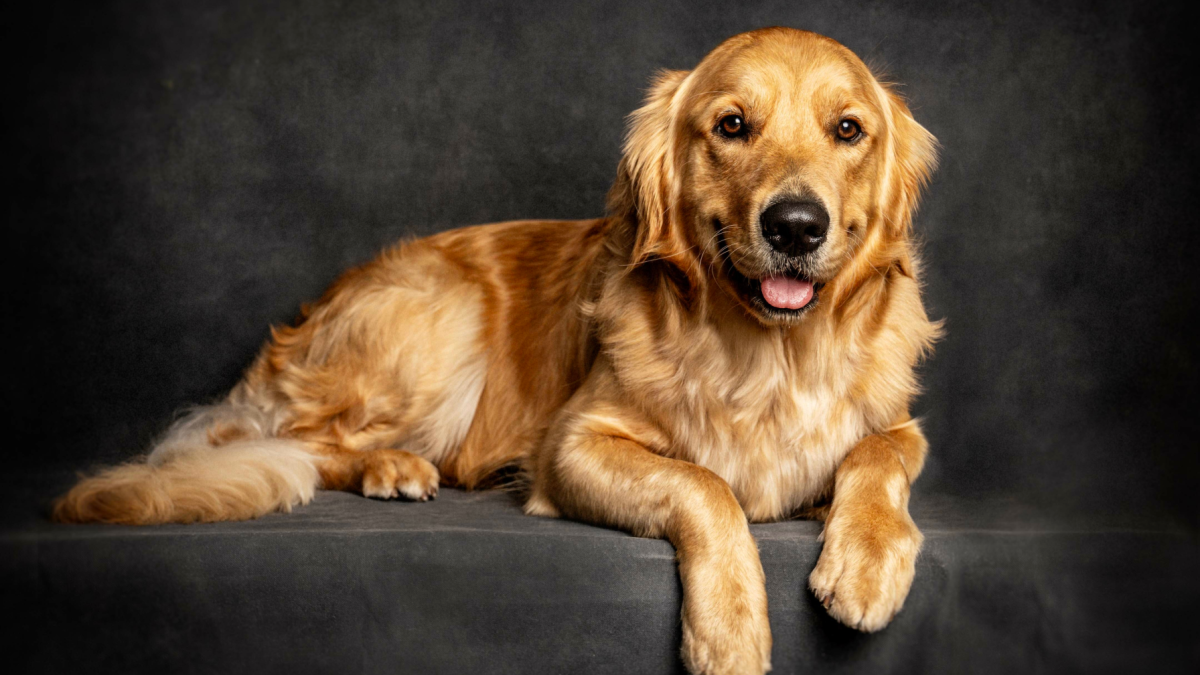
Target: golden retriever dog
x=734, y=342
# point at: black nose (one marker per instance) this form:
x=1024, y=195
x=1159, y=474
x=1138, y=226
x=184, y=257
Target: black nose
x=795, y=228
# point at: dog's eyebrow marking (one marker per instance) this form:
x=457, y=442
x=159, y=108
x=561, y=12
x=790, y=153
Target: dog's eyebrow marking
x=714, y=92
x=711, y=91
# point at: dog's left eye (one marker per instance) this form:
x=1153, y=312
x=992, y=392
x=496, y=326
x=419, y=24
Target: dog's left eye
x=731, y=126
x=848, y=130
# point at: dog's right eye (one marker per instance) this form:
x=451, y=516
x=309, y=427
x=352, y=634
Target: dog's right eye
x=731, y=126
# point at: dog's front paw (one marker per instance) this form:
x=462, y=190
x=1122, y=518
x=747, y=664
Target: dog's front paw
x=738, y=643
x=725, y=626
x=388, y=474
x=867, y=565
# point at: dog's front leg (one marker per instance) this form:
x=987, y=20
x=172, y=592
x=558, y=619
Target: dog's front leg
x=598, y=473
x=871, y=543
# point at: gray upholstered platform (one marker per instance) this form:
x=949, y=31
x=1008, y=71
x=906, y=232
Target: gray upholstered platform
x=469, y=584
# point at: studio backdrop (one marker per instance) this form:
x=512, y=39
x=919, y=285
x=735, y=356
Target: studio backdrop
x=184, y=175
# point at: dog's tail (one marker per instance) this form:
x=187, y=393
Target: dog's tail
x=220, y=462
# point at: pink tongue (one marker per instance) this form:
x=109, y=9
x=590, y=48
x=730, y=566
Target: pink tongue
x=786, y=292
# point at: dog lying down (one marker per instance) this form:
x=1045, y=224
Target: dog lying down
x=734, y=342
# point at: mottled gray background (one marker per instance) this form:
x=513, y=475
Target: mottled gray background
x=184, y=174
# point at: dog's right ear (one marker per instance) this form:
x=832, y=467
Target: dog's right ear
x=647, y=186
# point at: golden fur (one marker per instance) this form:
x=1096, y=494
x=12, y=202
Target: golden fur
x=619, y=361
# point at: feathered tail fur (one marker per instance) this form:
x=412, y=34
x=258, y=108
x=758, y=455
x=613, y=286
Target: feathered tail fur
x=220, y=462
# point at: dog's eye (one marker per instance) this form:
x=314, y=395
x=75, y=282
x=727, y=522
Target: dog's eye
x=731, y=126
x=848, y=130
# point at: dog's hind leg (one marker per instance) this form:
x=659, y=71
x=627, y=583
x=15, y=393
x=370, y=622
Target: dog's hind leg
x=381, y=474
x=392, y=357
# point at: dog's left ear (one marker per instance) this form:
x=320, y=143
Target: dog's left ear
x=912, y=158
x=647, y=186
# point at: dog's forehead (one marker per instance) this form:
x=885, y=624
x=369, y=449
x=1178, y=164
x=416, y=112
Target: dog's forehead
x=781, y=69
x=794, y=74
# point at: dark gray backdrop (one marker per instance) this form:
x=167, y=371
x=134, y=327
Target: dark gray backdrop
x=185, y=174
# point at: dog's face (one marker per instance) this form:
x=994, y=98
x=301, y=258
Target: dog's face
x=775, y=163
x=783, y=152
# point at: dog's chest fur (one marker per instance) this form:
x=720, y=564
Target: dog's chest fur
x=770, y=424
x=767, y=416
x=772, y=413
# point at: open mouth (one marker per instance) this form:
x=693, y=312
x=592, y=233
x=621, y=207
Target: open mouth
x=781, y=296
x=778, y=295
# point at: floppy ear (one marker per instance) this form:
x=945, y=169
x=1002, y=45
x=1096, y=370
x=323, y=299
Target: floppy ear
x=911, y=159
x=647, y=184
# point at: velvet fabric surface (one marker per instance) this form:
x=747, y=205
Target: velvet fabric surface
x=183, y=175
x=468, y=584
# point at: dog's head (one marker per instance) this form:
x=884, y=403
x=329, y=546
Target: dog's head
x=777, y=166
